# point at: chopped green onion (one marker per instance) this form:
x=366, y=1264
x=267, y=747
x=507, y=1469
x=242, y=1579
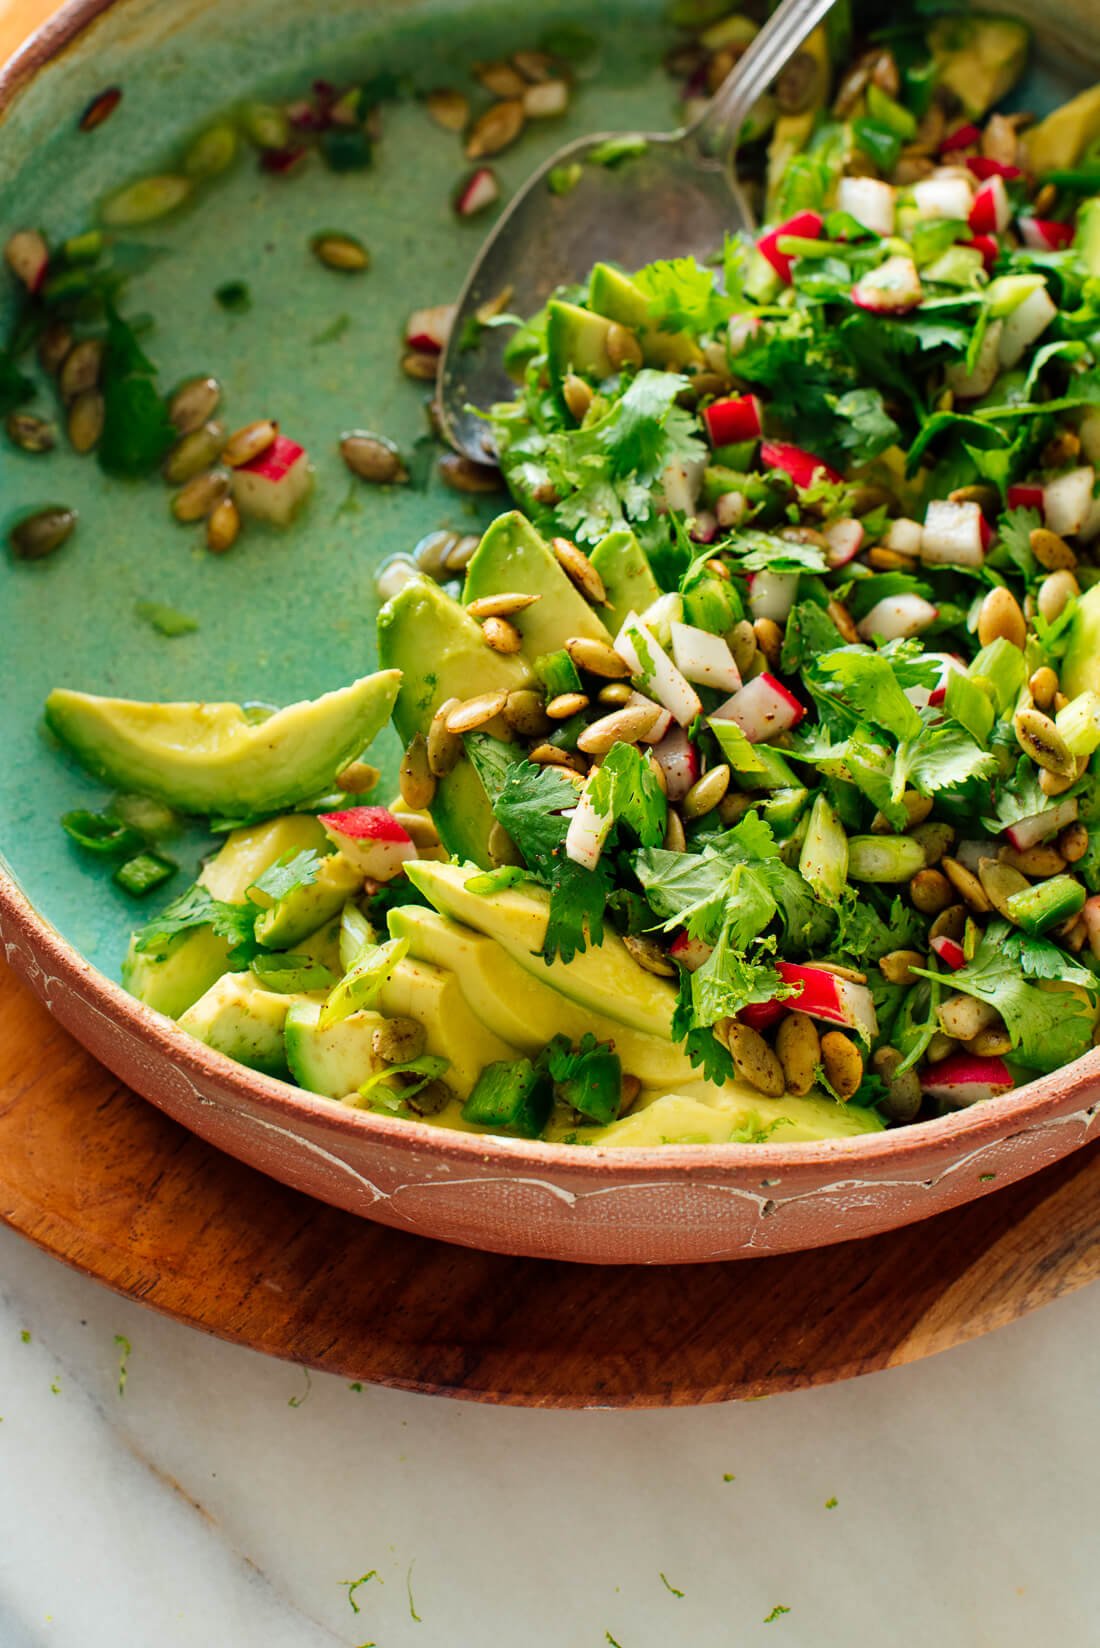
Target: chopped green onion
x=505, y=875
x=560, y=180
x=100, y=833
x=165, y=620
x=141, y=875
x=1036, y=909
x=614, y=150
x=287, y=973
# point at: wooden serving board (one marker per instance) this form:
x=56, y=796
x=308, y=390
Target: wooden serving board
x=99, y=1178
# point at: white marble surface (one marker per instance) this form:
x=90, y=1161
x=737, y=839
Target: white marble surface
x=201, y=1509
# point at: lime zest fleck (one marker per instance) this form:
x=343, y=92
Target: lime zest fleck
x=669, y=1586
x=775, y=1613
x=831, y=1504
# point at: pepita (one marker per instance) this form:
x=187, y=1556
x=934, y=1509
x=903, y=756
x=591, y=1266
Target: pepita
x=84, y=426
x=463, y=552
x=1037, y=862
x=101, y=108
x=501, y=636
x=707, y=791
x=649, y=954
x=1073, y=843
x=340, y=252
x=753, y=1059
x=194, y=403
x=211, y=153
x=472, y=713
x=39, y=535
x=444, y=746
x=223, y=527
x=623, y=726
x=1051, y=551
x=897, y=966
x=1055, y=591
x=1040, y=739
x=432, y=551
x=501, y=79
x=373, y=458
x=769, y=640
x=999, y=882
x=81, y=368
x=525, y=713
x=448, y=108
x=798, y=1046
x=146, y=201
x=843, y=1064
x=398, y=1040
x=54, y=347
x=967, y=885
x=549, y=755
x=420, y=830
x=500, y=606
x=675, y=839
x=1000, y=618
x=742, y=643
x=462, y=474
x=843, y=620
x=501, y=848
x=415, y=779
x=496, y=129
x=596, y=657
x=201, y=496
x=1043, y=686
x=418, y=364
x=615, y=694
x=992, y=1043
x=565, y=705
x=195, y=453
x=28, y=257
x=623, y=348
x=249, y=443
x=940, y=1047
x=357, y=778
x=28, y=433
x=935, y=838
x=577, y=395
x=903, y=1092
x=576, y=564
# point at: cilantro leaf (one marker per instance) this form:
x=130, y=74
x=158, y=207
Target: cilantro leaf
x=683, y=296
x=290, y=871
x=530, y=805
x=867, y=684
x=137, y=430
x=626, y=788
x=197, y=907
x=944, y=758
x=705, y=1052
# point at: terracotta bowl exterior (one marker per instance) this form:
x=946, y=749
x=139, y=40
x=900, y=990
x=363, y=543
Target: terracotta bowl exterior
x=657, y=1206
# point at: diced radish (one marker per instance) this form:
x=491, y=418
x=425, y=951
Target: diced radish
x=904, y=536
x=736, y=418
x=704, y=528
x=689, y=952
x=963, y=1079
x=665, y=610
x=1029, y=832
x=28, y=257
x=804, y=225
x=479, y=191
x=282, y=162
x=802, y=467
x=588, y=830
x=650, y=664
x=1043, y=234
x=1026, y=495
x=950, y=951
x=937, y=695
x=704, y=658
x=427, y=330
x=869, y=201
x=954, y=534
x=966, y=385
x=741, y=331
x=761, y=1015
x=970, y=851
x=963, y=137
x=772, y=595
x=987, y=246
x=943, y=197
x=545, y=99
x=827, y=996
x=680, y=483
x=1067, y=500
x=1091, y=914
x=983, y=167
x=660, y=727
x=1028, y=321
x=892, y=289
x=762, y=709
x=730, y=509
x=991, y=212
x=372, y=839
x=274, y=486
x=897, y=617
x=679, y=761
x=845, y=540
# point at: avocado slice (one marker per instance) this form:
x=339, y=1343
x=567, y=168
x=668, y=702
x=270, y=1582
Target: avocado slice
x=304, y=909
x=1087, y=237
x=336, y=1061
x=576, y=341
x=614, y=294
x=623, y=565
x=512, y=556
x=978, y=57
x=519, y=1007
x=210, y=758
x=439, y=648
x=1081, y=661
x=241, y=1019
x=706, y=1114
x=432, y=996
x=1059, y=141
x=174, y=974
x=605, y=978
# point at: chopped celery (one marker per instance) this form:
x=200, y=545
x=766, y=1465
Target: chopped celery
x=823, y=861
x=143, y=874
x=884, y=857
x=1037, y=909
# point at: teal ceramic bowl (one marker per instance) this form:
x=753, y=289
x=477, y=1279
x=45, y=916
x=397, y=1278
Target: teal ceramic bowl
x=288, y=615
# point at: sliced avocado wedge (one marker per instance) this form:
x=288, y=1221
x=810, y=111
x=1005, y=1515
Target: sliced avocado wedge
x=978, y=57
x=604, y=978
x=730, y=1114
x=627, y=577
x=431, y=995
x=1081, y=662
x=512, y=556
x=209, y=758
x=1059, y=141
x=241, y=1019
x=576, y=341
x=440, y=651
x=520, y=1008
x=304, y=909
x=614, y=294
x=336, y=1061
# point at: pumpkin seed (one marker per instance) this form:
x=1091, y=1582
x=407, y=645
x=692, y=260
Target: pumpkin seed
x=1037, y=862
x=798, y=1046
x=707, y=791
x=753, y=1059
x=266, y=125
x=1000, y=618
x=444, y=746
x=797, y=82
x=1040, y=739
x=357, y=778
x=903, y=1092
x=843, y=621
x=675, y=839
x=54, y=346
x=525, y=713
x=852, y=974
x=81, y=368
x=999, y=882
x=950, y=923
x=1058, y=783
x=432, y=551
x=993, y=1043
x=1043, y=685
x=1051, y=551
x=459, y=558
x=935, y=838
x=897, y=966
x=576, y=564
x=194, y=403
x=549, y=755
x=1073, y=843
x=649, y=954
x=419, y=829
x=843, y=1064
x=448, y=108
x=769, y=640
x=577, y=395
x=462, y=474
x=420, y=365
x=373, y=458
x=628, y=1097
x=565, y=705
x=623, y=348
x=940, y=1047
x=196, y=452
x=28, y=433
x=249, y=443
x=501, y=848
x=39, y=535
x=501, y=636
x=84, y=425
x=201, y=496
x=615, y=694
x=341, y=252
x=398, y=1040
x=223, y=527
x=1055, y=592
x=415, y=780
x=501, y=79
x=493, y=131
x=964, y=1016
x=533, y=65
x=211, y=153
x=625, y=726
x=472, y=713
x=1061, y=449
x=967, y=885
x=742, y=643
x=930, y=892
x=596, y=657
x=500, y=606
x=145, y=201
x=101, y=108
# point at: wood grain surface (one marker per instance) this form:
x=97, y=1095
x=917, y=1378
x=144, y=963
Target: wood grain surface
x=102, y=1180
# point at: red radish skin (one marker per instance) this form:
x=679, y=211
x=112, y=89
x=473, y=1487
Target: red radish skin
x=802, y=466
x=704, y=528
x=762, y=708
x=741, y=331
x=690, y=952
x=679, y=761
x=762, y=1015
x=992, y=210
x=963, y=137
x=1026, y=495
x=804, y=225
x=987, y=246
x=1029, y=832
x=1092, y=923
x=372, y=839
x=845, y=540
x=427, y=330
x=825, y=995
x=893, y=288
x=480, y=191
x=983, y=167
x=963, y=1079
x=1044, y=235
x=274, y=486
x=737, y=418
x=950, y=952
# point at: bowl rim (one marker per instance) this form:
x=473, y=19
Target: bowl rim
x=1037, y=1102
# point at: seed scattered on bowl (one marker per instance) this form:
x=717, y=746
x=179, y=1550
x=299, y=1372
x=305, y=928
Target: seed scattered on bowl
x=101, y=108
x=81, y=368
x=39, y=535
x=28, y=433
x=201, y=495
x=373, y=458
x=448, y=108
x=341, y=252
x=266, y=125
x=28, y=256
x=211, y=153
x=459, y=558
x=500, y=78
x=416, y=363
x=223, y=527
x=249, y=443
x=461, y=474
x=87, y=415
x=54, y=346
x=194, y=403
x=146, y=201
x=493, y=131
x=194, y=453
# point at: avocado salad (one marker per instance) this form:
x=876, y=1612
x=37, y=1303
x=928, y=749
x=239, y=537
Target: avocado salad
x=751, y=786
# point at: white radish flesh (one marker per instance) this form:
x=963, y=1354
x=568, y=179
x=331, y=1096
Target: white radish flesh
x=896, y=618
x=772, y=595
x=588, y=830
x=845, y=540
x=950, y=196
x=1029, y=832
x=704, y=658
x=679, y=761
x=904, y=536
x=762, y=709
x=869, y=201
x=1067, y=501
x=1028, y=321
x=650, y=664
x=971, y=385
x=954, y=534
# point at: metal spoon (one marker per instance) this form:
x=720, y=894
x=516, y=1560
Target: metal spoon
x=679, y=196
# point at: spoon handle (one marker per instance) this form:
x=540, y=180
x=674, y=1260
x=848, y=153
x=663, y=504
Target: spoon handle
x=718, y=129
